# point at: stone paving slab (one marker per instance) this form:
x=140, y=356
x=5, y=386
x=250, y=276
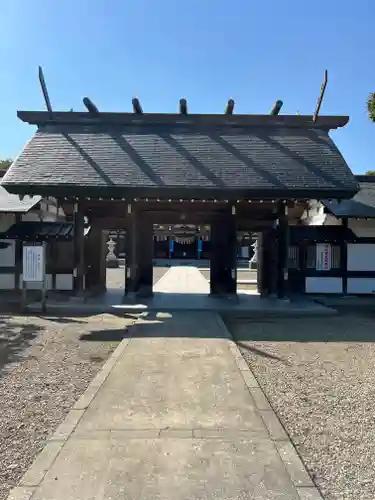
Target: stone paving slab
x=165, y=469
x=173, y=416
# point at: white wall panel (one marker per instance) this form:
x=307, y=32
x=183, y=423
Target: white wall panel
x=361, y=285
x=323, y=285
x=361, y=257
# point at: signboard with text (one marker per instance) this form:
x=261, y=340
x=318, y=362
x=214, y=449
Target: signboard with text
x=323, y=257
x=33, y=263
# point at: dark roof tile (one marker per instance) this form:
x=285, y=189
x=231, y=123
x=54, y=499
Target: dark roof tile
x=362, y=205
x=251, y=158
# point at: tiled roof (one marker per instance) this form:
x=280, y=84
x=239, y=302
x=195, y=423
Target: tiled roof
x=11, y=203
x=39, y=231
x=362, y=205
x=266, y=159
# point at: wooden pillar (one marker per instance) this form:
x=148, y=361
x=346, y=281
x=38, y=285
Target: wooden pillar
x=131, y=268
x=267, y=262
x=223, y=266
x=144, y=243
x=96, y=250
x=261, y=270
x=283, y=252
x=18, y=257
x=344, y=257
x=79, y=247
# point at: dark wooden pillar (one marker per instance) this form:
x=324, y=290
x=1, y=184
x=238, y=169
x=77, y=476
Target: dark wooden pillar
x=139, y=254
x=344, y=258
x=145, y=247
x=18, y=257
x=223, y=265
x=79, y=247
x=267, y=262
x=282, y=251
x=96, y=249
x=131, y=261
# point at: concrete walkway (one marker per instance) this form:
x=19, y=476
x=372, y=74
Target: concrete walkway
x=183, y=279
x=174, y=414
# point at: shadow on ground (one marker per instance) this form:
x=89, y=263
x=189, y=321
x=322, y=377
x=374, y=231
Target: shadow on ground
x=349, y=327
x=14, y=338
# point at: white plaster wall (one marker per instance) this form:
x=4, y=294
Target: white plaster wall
x=7, y=281
x=323, y=285
x=64, y=282
x=361, y=257
x=361, y=285
x=362, y=228
x=31, y=217
x=331, y=220
x=8, y=254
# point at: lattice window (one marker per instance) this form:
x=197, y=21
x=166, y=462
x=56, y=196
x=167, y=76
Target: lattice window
x=293, y=257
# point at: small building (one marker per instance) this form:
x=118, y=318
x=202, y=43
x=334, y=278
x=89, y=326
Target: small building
x=334, y=252
x=31, y=220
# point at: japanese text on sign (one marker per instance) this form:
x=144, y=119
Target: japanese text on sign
x=33, y=263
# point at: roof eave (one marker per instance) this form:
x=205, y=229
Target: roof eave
x=73, y=191
x=40, y=118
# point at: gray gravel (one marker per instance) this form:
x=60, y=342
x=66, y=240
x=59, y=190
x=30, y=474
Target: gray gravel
x=319, y=375
x=45, y=365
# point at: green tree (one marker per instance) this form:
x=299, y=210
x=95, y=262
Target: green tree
x=5, y=164
x=370, y=172
x=371, y=106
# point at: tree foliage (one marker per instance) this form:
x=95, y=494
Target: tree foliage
x=371, y=106
x=370, y=172
x=5, y=164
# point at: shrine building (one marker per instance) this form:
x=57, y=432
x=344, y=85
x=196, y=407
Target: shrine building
x=224, y=175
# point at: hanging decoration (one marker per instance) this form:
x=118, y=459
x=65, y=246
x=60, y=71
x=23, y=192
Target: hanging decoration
x=185, y=240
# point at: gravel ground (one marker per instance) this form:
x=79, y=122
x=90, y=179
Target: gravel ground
x=319, y=375
x=45, y=365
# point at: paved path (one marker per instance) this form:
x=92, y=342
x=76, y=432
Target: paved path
x=174, y=414
x=183, y=279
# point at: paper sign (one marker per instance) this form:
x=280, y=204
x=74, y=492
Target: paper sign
x=33, y=263
x=323, y=257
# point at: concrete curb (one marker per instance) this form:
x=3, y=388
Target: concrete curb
x=45, y=459
x=301, y=479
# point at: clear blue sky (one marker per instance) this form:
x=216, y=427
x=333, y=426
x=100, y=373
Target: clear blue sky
x=255, y=51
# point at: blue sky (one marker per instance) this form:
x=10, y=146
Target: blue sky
x=204, y=50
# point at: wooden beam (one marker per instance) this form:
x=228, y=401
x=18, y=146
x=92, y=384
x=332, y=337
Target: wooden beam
x=321, y=95
x=91, y=108
x=183, y=107
x=229, y=107
x=45, y=92
x=276, y=108
x=137, y=108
